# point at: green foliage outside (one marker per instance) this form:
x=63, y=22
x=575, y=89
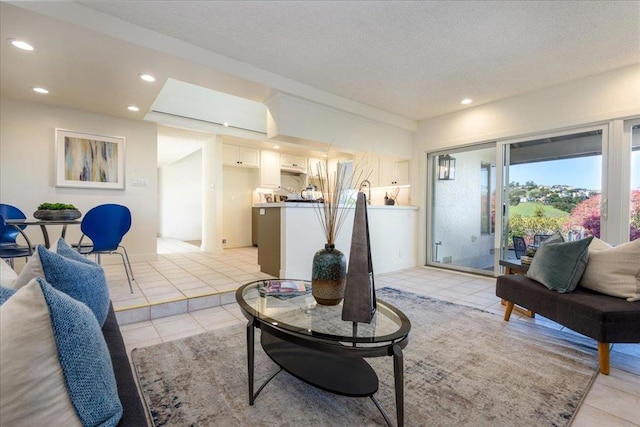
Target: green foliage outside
x=527, y=226
x=528, y=219
x=529, y=209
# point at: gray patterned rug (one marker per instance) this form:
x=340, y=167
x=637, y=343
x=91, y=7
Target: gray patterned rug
x=462, y=367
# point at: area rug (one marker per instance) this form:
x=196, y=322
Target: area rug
x=463, y=367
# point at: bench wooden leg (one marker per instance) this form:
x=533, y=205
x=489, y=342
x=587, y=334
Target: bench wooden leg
x=508, y=310
x=603, y=354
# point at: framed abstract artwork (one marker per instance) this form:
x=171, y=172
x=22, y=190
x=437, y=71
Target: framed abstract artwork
x=89, y=161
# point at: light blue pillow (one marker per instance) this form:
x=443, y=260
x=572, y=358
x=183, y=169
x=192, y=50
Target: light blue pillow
x=67, y=251
x=85, y=359
x=80, y=280
x=559, y=266
x=55, y=361
x=5, y=294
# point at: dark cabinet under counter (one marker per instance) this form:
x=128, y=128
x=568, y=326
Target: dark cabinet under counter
x=268, y=239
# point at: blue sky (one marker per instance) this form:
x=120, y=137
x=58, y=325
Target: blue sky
x=582, y=172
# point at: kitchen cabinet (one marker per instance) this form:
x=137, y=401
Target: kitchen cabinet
x=292, y=163
x=393, y=172
x=233, y=155
x=316, y=166
x=269, y=169
x=369, y=165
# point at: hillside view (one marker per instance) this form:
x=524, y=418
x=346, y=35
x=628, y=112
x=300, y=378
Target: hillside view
x=575, y=212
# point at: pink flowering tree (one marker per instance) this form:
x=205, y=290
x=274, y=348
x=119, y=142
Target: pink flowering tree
x=587, y=215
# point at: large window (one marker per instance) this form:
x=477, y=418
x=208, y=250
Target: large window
x=553, y=184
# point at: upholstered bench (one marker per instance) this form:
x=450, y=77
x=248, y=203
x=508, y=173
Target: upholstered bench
x=604, y=318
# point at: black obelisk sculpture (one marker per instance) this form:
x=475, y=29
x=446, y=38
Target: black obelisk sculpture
x=360, y=294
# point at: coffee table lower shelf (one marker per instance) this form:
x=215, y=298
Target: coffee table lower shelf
x=344, y=375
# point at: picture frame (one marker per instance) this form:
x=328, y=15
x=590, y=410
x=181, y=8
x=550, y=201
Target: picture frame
x=85, y=160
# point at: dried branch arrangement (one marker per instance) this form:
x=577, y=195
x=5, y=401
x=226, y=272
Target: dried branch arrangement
x=336, y=196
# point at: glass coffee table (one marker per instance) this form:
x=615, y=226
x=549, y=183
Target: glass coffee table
x=314, y=344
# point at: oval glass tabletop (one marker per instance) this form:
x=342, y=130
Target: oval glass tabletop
x=298, y=312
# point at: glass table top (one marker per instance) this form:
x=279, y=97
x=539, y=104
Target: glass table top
x=302, y=315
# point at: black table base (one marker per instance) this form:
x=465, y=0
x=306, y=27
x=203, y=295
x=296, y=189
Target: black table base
x=334, y=372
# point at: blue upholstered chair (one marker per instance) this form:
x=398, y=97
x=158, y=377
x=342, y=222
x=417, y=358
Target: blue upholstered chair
x=106, y=225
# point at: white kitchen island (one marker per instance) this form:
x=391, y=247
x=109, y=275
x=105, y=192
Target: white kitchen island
x=289, y=234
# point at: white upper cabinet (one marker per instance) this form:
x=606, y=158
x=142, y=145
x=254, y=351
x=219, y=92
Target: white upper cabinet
x=383, y=171
x=289, y=162
x=316, y=166
x=233, y=155
x=367, y=166
x=269, y=169
x=393, y=172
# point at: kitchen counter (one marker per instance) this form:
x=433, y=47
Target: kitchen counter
x=311, y=205
x=289, y=234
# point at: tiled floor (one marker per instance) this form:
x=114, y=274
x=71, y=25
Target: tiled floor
x=614, y=400
x=182, y=279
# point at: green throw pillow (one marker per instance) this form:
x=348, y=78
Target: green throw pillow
x=559, y=266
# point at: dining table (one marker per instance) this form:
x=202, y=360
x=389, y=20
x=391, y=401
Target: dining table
x=43, y=226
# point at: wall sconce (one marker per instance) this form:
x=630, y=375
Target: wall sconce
x=446, y=168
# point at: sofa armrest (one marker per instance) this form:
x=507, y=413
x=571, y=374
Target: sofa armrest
x=134, y=413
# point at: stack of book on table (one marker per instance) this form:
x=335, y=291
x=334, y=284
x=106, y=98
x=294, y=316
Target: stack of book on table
x=282, y=287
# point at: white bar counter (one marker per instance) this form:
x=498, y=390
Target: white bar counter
x=392, y=230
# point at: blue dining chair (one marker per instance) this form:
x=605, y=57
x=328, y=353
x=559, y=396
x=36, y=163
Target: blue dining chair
x=106, y=225
x=9, y=249
x=10, y=233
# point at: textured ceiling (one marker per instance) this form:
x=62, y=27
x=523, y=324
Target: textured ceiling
x=415, y=59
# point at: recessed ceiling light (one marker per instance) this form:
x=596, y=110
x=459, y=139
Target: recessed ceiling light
x=466, y=101
x=147, y=77
x=133, y=108
x=40, y=90
x=225, y=124
x=21, y=44
x=275, y=147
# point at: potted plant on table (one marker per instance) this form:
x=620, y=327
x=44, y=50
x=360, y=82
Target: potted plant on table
x=56, y=212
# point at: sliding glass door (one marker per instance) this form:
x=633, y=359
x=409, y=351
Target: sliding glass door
x=462, y=198
x=583, y=182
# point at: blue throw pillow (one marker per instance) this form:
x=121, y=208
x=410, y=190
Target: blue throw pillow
x=55, y=362
x=68, y=252
x=5, y=294
x=83, y=281
x=559, y=266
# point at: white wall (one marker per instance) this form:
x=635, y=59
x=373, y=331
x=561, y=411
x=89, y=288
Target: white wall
x=27, y=169
x=595, y=99
x=181, y=198
x=290, y=116
x=239, y=184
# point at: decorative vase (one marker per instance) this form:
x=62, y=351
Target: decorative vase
x=328, y=277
